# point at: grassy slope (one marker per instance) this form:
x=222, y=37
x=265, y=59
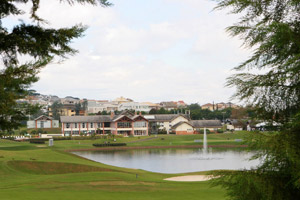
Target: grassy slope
x=28, y=181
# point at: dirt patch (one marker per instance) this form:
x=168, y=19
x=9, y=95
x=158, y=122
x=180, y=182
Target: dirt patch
x=36, y=167
x=191, y=178
x=41, y=146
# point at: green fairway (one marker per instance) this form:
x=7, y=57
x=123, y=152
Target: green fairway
x=35, y=171
x=160, y=140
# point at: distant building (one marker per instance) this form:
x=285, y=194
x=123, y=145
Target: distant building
x=169, y=105
x=155, y=106
x=208, y=106
x=134, y=106
x=121, y=99
x=67, y=110
x=43, y=122
x=219, y=106
x=181, y=104
x=69, y=100
x=100, y=106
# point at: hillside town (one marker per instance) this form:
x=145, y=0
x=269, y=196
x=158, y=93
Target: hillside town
x=124, y=116
x=73, y=106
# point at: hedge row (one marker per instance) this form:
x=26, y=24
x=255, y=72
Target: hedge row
x=38, y=140
x=109, y=145
x=86, y=137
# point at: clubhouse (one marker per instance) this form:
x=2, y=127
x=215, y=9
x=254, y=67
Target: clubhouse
x=125, y=124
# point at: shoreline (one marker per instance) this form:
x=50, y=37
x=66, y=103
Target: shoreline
x=153, y=147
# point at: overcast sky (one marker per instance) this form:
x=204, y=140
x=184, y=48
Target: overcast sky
x=154, y=50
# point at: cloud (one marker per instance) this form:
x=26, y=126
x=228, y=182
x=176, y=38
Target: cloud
x=185, y=57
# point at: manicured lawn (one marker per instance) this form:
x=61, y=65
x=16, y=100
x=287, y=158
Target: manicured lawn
x=160, y=140
x=31, y=171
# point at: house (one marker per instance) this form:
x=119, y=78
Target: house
x=121, y=99
x=208, y=106
x=100, y=106
x=181, y=104
x=212, y=125
x=183, y=128
x=126, y=123
x=43, y=122
x=134, y=106
x=219, y=106
x=70, y=100
x=169, y=105
x=151, y=105
x=67, y=110
x=164, y=122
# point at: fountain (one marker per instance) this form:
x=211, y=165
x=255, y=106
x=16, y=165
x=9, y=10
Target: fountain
x=205, y=142
x=207, y=153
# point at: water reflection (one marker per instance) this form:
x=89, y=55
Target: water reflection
x=174, y=160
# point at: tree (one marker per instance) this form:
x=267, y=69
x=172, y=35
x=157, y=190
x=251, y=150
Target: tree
x=55, y=110
x=272, y=29
x=39, y=45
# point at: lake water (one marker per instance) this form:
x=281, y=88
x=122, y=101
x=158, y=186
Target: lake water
x=173, y=160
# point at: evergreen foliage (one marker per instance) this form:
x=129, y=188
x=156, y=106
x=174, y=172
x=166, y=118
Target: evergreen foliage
x=272, y=29
x=39, y=45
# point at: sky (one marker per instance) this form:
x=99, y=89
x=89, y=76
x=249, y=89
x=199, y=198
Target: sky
x=158, y=50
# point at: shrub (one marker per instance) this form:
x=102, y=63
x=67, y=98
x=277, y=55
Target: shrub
x=40, y=130
x=38, y=140
x=84, y=137
x=220, y=131
x=23, y=132
x=33, y=132
x=109, y=144
x=11, y=132
x=202, y=131
x=162, y=131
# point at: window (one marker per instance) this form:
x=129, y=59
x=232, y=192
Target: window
x=75, y=125
x=124, y=124
x=92, y=125
x=99, y=125
x=83, y=125
x=140, y=132
x=67, y=125
x=140, y=124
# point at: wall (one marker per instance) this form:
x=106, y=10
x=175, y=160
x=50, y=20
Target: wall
x=47, y=124
x=184, y=129
x=178, y=119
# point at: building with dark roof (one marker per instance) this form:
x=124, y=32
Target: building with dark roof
x=125, y=123
x=212, y=125
x=43, y=122
x=164, y=122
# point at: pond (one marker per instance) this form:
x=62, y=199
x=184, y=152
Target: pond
x=174, y=160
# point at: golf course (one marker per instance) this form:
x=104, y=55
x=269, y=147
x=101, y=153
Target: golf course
x=37, y=171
